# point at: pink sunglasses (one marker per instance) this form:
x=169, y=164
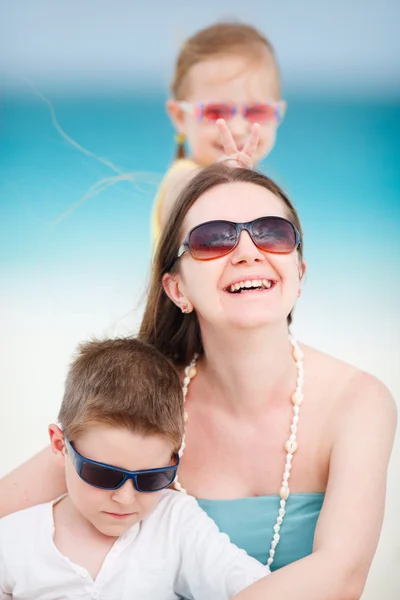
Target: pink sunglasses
x=259, y=112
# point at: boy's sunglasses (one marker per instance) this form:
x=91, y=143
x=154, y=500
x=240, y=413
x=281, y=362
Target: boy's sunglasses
x=217, y=238
x=265, y=112
x=107, y=477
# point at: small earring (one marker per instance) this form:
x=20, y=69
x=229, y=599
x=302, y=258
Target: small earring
x=299, y=293
x=180, y=140
x=185, y=308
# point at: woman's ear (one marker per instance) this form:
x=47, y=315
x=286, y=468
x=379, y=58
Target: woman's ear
x=57, y=442
x=172, y=288
x=302, y=269
x=302, y=272
x=176, y=115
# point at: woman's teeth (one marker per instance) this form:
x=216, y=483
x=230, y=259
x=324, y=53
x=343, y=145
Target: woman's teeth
x=254, y=284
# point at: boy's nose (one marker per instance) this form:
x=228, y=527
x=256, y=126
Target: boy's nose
x=126, y=494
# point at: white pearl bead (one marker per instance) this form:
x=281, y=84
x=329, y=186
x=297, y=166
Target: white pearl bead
x=186, y=381
x=279, y=520
x=299, y=400
x=290, y=447
x=288, y=467
x=296, y=410
x=282, y=512
x=192, y=372
x=297, y=353
x=272, y=553
x=293, y=429
x=289, y=457
x=284, y=492
x=292, y=438
x=283, y=503
x=269, y=562
x=277, y=537
x=273, y=544
x=178, y=486
x=296, y=419
x=277, y=528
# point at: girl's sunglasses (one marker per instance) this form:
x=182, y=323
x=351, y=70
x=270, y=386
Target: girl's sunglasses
x=107, y=477
x=217, y=238
x=266, y=112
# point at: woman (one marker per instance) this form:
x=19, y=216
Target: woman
x=257, y=418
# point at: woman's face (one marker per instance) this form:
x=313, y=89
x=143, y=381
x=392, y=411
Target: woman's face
x=206, y=285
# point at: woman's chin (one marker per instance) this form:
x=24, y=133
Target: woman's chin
x=253, y=319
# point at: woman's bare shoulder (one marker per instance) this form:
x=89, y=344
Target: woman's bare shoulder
x=345, y=382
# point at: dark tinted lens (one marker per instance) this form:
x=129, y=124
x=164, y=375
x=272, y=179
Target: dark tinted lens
x=274, y=234
x=101, y=476
x=151, y=482
x=213, y=112
x=212, y=240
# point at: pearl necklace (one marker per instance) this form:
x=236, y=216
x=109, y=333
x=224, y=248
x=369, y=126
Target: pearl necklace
x=290, y=446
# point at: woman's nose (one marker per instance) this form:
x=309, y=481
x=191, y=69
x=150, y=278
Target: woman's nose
x=246, y=250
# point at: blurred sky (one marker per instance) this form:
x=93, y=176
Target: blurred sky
x=349, y=47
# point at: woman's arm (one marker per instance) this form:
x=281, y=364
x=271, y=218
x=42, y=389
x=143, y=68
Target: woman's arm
x=38, y=480
x=351, y=518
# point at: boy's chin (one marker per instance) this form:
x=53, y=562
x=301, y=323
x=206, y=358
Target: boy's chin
x=112, y=527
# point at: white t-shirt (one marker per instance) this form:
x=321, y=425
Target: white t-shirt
x=176, y=551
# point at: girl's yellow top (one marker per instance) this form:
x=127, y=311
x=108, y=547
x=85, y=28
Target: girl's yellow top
x=179, y=165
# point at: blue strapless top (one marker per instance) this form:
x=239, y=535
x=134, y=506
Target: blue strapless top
x=249, y=523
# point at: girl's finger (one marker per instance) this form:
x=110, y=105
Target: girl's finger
x=244, y=160
x=250, y=146
x=227, y=138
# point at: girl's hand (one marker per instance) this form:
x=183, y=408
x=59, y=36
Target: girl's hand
x=235, y=158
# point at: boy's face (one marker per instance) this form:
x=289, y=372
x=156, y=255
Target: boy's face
x=112, y=512
x=229, y=79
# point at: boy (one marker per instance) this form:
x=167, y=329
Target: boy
x=119, y=533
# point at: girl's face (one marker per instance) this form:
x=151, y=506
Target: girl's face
x=206, y=285
x=235, y=80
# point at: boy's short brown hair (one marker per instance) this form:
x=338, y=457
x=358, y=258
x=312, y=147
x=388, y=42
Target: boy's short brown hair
x=124, y=383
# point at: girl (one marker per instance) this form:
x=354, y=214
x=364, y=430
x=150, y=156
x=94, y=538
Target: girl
x=226, y=74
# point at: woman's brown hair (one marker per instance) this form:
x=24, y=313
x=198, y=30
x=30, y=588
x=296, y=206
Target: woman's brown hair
x=164, y=326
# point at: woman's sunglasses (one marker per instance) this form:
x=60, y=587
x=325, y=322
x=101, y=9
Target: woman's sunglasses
x=217, y=238
x=107, y=477
x=265, y=112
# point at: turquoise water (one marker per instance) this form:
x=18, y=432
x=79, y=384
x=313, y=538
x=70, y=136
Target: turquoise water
x=338, y=160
